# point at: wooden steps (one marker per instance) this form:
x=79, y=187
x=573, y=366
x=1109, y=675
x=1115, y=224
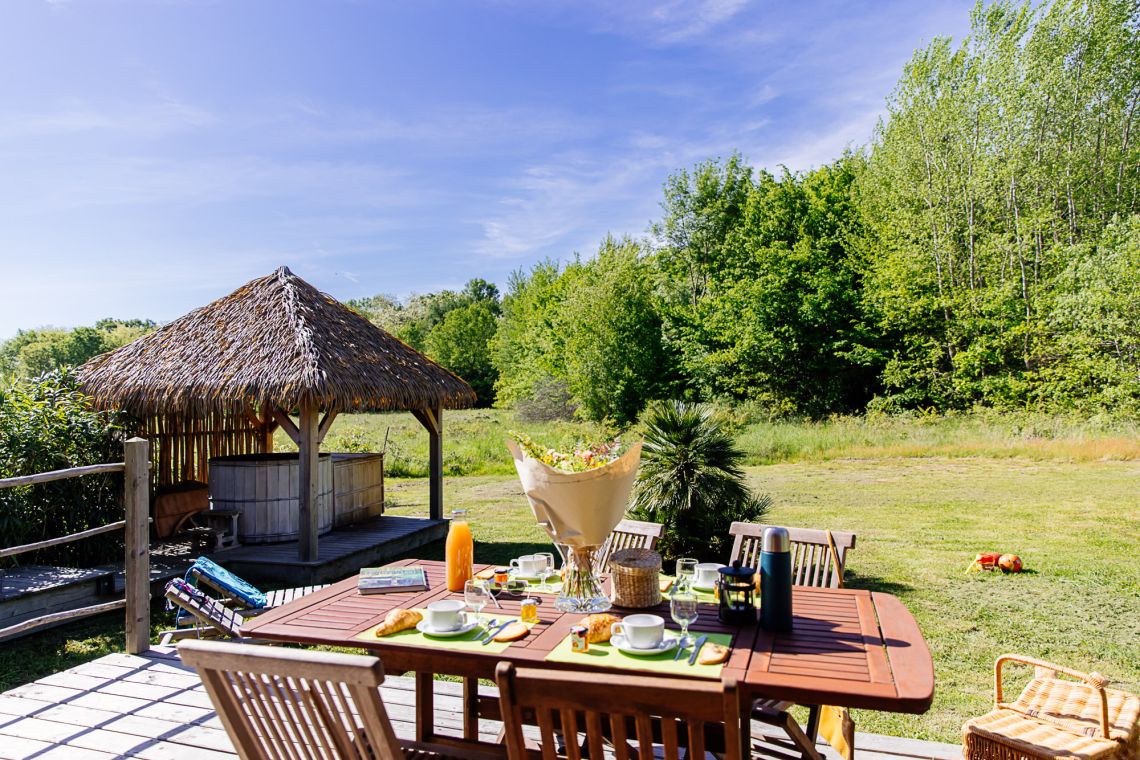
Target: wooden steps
x=155, y=707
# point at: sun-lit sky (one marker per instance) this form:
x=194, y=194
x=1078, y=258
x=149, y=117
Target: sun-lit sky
x=156, y=155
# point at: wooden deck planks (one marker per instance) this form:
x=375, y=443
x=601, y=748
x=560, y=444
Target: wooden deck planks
x=154, y=707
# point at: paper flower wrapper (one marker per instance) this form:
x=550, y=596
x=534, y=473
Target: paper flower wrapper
x=579, y=509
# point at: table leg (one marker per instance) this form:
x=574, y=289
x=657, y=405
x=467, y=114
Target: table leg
x=425, y=706
x=812, y=729
x=471, y=708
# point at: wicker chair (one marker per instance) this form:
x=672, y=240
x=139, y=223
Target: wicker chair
x=1055, y=719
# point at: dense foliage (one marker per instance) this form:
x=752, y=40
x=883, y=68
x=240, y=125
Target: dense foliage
x=691, y=480
x=33, y=352
x=46, y=424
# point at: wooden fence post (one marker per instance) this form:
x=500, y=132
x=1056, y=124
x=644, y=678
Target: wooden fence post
x=136, y=564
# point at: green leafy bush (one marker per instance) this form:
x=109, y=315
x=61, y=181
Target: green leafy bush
x=692, y=481
x=47, y=424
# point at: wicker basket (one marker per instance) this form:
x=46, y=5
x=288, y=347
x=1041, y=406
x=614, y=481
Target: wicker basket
x=635, y=578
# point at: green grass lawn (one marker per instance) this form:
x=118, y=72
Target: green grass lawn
x=924, y=495
x=919, y=523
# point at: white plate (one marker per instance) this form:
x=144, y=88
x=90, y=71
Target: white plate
x=704, y=588
x=422, y=627
x=666, y=644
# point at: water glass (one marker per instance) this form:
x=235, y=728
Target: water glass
x=686, y=572
x=476, y=595
x=683, y=608
x=549, y=566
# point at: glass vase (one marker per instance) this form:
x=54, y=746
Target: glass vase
x=581, y=587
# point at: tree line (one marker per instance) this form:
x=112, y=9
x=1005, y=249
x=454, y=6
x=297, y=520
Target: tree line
x=982, y=250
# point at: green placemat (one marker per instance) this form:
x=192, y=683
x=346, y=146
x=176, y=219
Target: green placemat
x=467, y=642
x=707, y=597
x=607, y=656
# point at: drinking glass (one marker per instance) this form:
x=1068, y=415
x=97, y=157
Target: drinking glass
x=548, y=569
x=686, y=572
x=683, y=608
x=476, y=595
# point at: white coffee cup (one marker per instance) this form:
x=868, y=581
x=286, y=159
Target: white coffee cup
x=445, y=615
x=641, y=631
x=530, y=565
x=707, y=574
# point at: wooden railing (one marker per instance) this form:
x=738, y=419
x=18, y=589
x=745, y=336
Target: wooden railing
x=136, y=562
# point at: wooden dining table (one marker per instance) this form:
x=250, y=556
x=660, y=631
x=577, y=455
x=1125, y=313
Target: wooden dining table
x=848, y=647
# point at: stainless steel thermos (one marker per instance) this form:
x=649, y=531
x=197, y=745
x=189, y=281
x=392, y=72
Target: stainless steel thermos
x=776, y=580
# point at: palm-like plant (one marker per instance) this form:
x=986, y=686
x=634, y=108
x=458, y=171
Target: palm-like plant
x=691, y=480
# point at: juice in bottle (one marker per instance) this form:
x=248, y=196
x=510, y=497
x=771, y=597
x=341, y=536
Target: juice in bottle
x=460, y=551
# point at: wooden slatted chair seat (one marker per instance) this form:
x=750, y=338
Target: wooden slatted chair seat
x=630, y=534
x=210, y=612
x=299, y=704
x=618, y=716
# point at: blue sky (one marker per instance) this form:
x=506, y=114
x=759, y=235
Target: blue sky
x=156, y=155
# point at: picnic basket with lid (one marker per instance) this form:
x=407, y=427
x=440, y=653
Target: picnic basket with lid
x=1055, y=719
x=635, y=578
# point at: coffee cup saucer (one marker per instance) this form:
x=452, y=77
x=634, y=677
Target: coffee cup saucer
x=702, y=587
x=622, y=644
x=426, y=630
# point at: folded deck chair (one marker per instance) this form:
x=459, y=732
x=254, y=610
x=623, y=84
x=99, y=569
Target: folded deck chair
x=243, y=594
x=212, y=617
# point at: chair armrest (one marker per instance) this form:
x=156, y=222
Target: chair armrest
x=1096, y=681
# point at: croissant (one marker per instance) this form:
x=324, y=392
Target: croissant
x=713, y=654
x=599, y=627
x=399, y=620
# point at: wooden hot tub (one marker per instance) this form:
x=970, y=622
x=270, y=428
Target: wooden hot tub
x=264, y=487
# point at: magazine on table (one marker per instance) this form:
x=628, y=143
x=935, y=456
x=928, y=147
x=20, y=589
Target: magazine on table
x=384, y=580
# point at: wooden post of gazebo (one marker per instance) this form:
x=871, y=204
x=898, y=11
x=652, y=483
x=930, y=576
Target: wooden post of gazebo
x=310, y=449
x=432, y=419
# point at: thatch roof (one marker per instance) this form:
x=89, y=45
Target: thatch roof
x=275, y=340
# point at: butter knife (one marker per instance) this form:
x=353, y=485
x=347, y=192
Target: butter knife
x=696, y=649
x=490, y=636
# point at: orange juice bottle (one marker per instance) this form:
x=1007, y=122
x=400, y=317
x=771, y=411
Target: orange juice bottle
x=460, y=551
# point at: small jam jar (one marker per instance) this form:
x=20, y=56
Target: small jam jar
x=528, y=611
x=502, y=575
x=578, y=640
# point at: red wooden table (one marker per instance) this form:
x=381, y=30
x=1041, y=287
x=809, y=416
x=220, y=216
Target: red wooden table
x=848, y=647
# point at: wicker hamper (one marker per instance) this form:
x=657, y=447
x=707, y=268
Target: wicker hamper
x=635, y=578
x=1055, y=719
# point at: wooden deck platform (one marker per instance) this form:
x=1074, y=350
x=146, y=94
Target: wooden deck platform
x=342, y=552
x=154, y=707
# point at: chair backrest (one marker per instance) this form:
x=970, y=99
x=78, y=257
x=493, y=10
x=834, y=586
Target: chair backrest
x=631, y=712
x=204, y=608
x=812, y=560
x=631, y=534
x=295, y=704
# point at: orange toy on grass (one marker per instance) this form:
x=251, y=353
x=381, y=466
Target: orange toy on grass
x=1007, y=563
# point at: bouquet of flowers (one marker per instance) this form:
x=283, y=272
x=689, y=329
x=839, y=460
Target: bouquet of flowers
x=578, y=497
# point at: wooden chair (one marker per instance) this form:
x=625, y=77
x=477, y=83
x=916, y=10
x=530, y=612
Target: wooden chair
x=298, y=704
x=813, y=562
x=630, y=534
x=818, y=559
x=632, y=713
x=1055, y=718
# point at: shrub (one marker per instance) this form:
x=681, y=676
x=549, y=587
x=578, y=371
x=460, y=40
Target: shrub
x=47, y=424
x=691, y=480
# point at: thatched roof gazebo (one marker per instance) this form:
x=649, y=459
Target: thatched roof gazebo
x=222, y=378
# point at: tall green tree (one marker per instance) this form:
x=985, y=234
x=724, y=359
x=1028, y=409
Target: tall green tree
x=461, y=343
